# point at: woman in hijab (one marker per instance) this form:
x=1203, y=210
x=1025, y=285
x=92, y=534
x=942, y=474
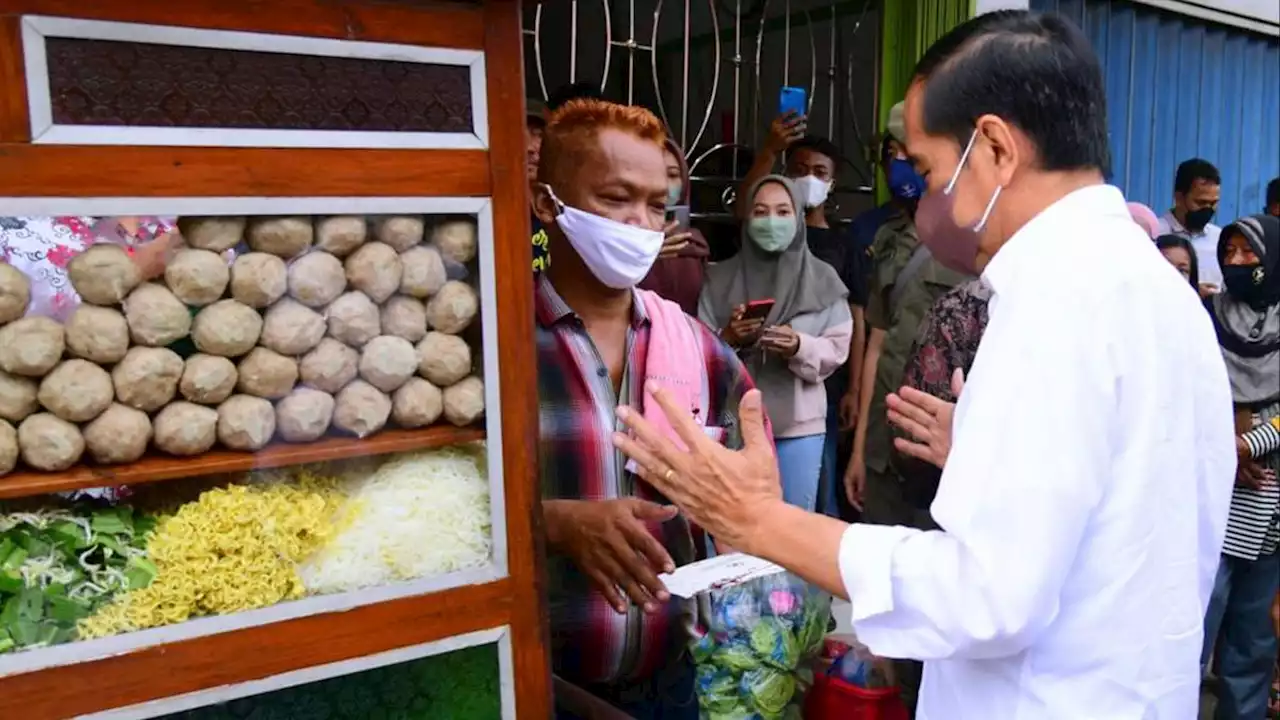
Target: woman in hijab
x=1146, y=218
x=803, y=338
x=1246, y=316
x=1182, y=256
x=677, y=275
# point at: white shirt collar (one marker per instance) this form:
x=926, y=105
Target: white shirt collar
x=1087, y=202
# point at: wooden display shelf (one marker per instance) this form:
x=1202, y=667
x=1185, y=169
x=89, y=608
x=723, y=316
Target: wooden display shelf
x=306, y=161
x=252, y=653
x=156, y=468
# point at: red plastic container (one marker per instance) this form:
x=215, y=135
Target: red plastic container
x=831, y=698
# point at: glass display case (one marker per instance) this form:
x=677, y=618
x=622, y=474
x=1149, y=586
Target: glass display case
x=260, y=453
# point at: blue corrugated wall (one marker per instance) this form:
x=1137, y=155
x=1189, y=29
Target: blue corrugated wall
x=1180, y=87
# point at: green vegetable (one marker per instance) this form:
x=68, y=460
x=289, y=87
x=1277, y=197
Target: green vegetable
x=112, y=521
x=775, y=644
x=10, y=583
x=738, y=712
x=57, y=566
x=25, y=632
x=37, y=545
x=15, y=559
x=30, y=604
x=769, y=690
x=68, y=535
x=67, y=610
x=9, y=615
x=735, y=657
x=140, y=572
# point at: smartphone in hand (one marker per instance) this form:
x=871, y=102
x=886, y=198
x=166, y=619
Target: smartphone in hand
x=679, y=214
x=758, y=309
x=792, y=100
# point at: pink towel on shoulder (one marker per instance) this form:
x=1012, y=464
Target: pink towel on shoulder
x=675, y=362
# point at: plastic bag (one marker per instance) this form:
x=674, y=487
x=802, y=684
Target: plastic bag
x=755, y=648
x=858, y=667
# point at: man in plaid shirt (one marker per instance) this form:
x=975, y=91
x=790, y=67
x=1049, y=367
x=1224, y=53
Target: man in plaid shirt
x=616, y=632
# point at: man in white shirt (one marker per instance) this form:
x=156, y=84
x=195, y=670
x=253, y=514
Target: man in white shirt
x=1083, y=505
x=1197, y=187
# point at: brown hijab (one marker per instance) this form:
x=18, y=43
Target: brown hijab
x=679, y=279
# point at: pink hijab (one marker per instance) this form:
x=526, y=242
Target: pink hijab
x=1144, y=216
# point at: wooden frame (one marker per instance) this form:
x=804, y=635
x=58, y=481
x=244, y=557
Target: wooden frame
x=36, y=28
x=509, y=604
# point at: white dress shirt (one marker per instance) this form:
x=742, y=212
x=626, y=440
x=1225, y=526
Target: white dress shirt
x=1085, y=498
x=1204, y=242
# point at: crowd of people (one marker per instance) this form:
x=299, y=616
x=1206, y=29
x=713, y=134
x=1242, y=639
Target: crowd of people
x=869, y=328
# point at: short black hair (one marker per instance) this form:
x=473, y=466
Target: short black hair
x=534, y=121
x=818, y=144
x=1189, y=171
x=1037, y=71
x=1165, y=242
x=1273, y=192
x=582, y=90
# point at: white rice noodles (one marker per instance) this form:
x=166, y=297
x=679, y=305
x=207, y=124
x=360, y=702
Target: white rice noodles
x=414, y=516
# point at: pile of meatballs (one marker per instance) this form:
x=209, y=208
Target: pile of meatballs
x=331, y=324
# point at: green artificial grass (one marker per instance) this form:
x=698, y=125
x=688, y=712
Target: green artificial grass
x=461, y=685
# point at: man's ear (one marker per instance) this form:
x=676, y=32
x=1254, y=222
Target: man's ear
x=1005, y=150
x=544, y=208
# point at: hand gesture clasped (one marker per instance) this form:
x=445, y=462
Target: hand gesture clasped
x=724, y=491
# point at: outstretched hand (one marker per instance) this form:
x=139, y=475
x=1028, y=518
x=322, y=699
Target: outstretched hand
x=926, y=419
x=726, y=492
x=608, y=541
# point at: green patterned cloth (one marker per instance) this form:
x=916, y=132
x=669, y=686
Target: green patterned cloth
x=461, y=685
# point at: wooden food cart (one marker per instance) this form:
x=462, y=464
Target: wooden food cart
x=301, y=109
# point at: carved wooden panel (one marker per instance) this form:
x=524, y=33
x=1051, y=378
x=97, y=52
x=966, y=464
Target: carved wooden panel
x=100, y=82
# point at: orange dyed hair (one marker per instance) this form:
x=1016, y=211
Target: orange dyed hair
x=566, y=141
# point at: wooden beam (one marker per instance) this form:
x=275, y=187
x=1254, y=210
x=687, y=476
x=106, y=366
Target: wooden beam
x=126, y=171
x=15, y=125
x=504, y=66
x=157, y=467
x=451, y=25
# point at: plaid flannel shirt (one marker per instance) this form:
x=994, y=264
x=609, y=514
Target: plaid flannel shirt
x=591, y=643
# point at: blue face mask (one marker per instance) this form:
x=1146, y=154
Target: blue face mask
x=904, y=182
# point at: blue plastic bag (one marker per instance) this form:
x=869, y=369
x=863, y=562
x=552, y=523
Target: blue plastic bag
x=755, y=648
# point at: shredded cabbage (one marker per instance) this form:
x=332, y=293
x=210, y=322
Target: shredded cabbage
x=413, y=516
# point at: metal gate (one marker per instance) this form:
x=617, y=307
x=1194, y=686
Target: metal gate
x=712, y=69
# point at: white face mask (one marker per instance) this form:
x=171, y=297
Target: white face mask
x=619, y=255
x=813, y=190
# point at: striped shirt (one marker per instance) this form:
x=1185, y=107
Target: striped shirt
x=1253, y=526
x=591, y=643
x=1263, y=439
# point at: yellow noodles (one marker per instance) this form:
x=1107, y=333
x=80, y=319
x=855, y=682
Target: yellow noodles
x=236, y=548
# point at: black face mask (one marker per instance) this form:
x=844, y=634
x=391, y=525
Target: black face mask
x=1245, y=283
x=1197, y=219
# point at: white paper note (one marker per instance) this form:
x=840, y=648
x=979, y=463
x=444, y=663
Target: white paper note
x=717, y=573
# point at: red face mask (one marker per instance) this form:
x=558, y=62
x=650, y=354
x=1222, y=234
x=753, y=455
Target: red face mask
x=953, y=246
